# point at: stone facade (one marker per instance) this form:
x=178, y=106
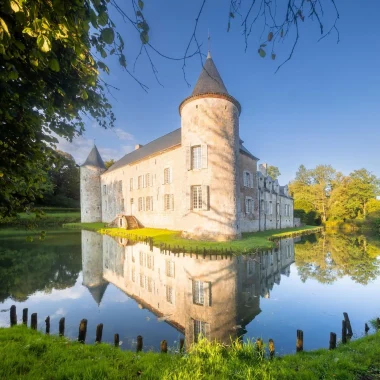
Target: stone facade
x=199, y=179
x=216, y=295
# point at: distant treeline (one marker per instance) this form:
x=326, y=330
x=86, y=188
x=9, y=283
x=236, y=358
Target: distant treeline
x=323, y=194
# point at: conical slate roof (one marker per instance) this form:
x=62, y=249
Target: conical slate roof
x=94, y=159
x=209, y=80
x=98, y=291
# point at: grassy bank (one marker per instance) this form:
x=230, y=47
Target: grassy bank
x=29, y=354
x=48, y=218
x=249, y=242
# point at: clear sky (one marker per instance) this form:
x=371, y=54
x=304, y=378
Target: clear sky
x=322, y=107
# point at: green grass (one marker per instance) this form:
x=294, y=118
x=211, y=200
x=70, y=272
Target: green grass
x=49, y=218
x=31, y=355
x=85, y=226
x=249, y=242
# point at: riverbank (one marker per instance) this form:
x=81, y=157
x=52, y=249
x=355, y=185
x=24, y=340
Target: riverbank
x=29, y=354
x=172, y=240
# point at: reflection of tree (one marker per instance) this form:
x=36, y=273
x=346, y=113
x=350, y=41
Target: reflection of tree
x=34, y=268
x=330, y=257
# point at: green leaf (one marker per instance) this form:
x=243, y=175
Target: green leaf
x=228, y=26
x=273, y=56
x=232, y=15
x=263, y=45
x=30, y=32
x=123, y=61
x=19, y=45
x=15, y=6
x=262, y=53
x=43, y=43
x=103, y=53
x=141, y=4
x=103, y=19
x=139, y=14
x=104, y=67
x=84, y=95
x=270, y=36
x=144, y=37
x=93, y=19
x=4, y=26
x=54, y=65
x=107, y=35
x=2, y=49
x=13, y=75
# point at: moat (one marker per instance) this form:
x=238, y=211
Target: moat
x=304, y=283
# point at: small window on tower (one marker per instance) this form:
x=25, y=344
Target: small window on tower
x=196, y=157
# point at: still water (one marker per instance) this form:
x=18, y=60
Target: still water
x=305, y=283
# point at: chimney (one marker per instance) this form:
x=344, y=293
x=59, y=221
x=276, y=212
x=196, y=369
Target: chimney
x=138, y=146
x=263, y=169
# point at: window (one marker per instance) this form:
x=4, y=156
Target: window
x=197, y=197
x=142, y=258
x=167, y=176
x=170, y=268
x=104, y=189
x=262, y=206
x=150, y=262
x=141, y=204
x=248, y=205
x=149, y=203
x=120, y=186
x=150, y=284
x=131, y=184
x=122, y=204
x=142, y=281
x=198, y=292
x=247, y=179
x=140, y=181
x=250, y=266
x=196, y=157
x=169, y=294
x=278, y=209
x=133, y=275
x=200, y=329
x=270, y=211
x=147, y=180
x=168, y=202
x=106, y=205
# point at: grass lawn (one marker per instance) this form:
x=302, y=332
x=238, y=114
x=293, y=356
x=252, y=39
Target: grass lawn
x=49, y=218
x=29, y=354
x=249, y=242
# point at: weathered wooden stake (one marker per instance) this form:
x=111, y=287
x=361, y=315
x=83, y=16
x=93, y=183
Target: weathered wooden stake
x=348, y=325
x=99, y=333
x=332, y=344
x=139, y=345
x=47, y=321
x=33, y=321
x=164, y=346
x=116, y=340
x=344, y=331
x=82, y=331
x=271, y=348
x=366, y=328
x=62, y=326
x=13, y=316
x=25, y=316
x=181, y=344
x=299, y=344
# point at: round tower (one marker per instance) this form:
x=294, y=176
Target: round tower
x=90, y=188
x=210, y=120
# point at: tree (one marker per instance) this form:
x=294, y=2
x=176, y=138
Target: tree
x=273, y=172
x=49, y=72
x=109, y=163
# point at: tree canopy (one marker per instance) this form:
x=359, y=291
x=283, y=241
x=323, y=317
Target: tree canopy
x=273, y=172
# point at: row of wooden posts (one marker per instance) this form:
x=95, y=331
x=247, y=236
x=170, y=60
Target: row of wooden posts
x=346, y=333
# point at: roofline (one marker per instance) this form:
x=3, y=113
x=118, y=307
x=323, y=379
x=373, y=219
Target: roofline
x=249, y=155
x=210, y=95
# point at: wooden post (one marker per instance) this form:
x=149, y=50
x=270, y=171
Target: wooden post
x=62, y=326
x=47, y=321
x=13, y=316
x=116, y=340
x=366, y=328
x=82, y=331
x=271, y=348
x=348, y=325
x=139, y=345
x=164, y=346
x=344, y=331
x=33, y=321
x=99, y=333
x=299, y=344
x=181, y=344
x=25, y=316
x=332, y=344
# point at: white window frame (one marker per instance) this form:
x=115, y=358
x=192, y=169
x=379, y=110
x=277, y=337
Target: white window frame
x=141, y=204
x=140, y=181
x=200, y=328
x=168, y=202
x=170, y=294
x=196, y=157
x=198, y=292
x=167, y=175
x=131, y=184
x=249, y=205
x=196, y=197
x=104, y=189
x=170, y=268
x=147, y=180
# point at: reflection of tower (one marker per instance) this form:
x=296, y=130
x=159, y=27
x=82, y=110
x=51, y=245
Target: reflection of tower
x=92, y=264
x=90, y=190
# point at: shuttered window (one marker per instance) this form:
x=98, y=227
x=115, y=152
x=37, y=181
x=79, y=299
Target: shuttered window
x=198, y=292
x=170, y=294
x=248, y=205
x=150, y=262
x=167, y=176
x=149, y=203
x=196, y=157
x=201, y=329
x=170, y=268
x=168, y=202
x=197, y=197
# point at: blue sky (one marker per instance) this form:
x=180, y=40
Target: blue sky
x=322, y=107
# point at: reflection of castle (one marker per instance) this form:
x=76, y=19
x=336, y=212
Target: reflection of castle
x=214, y=295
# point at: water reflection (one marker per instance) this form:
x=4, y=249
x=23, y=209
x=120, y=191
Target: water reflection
x=213, y=295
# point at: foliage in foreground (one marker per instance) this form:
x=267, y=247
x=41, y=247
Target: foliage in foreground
x=249, y=242
x=29, y=354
